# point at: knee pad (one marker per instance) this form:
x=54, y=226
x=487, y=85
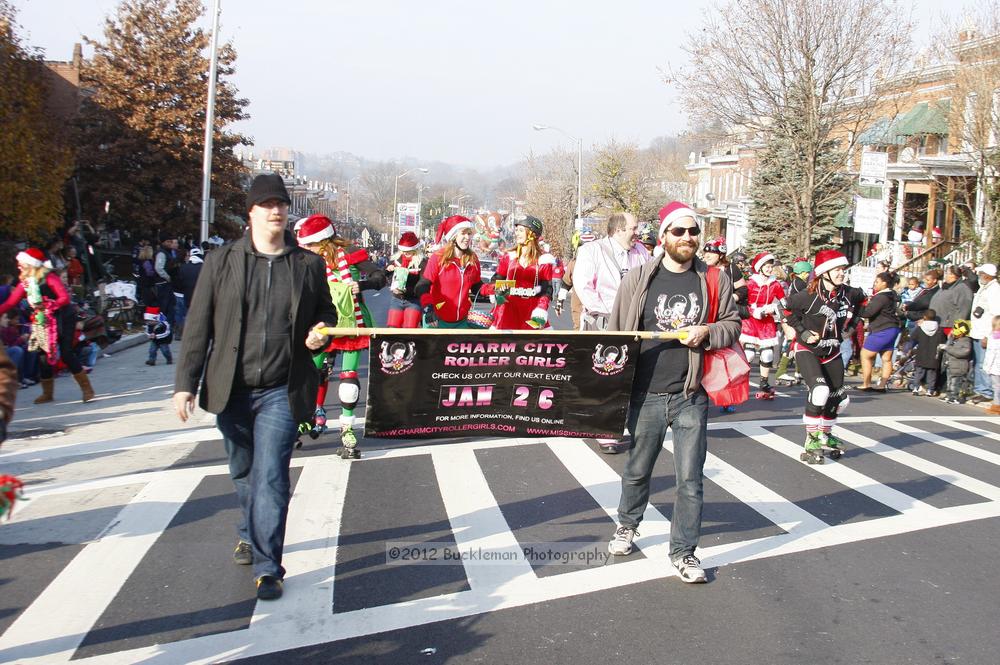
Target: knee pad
x=395, y=319
x=750, y=351
x=349, y=389
x=819, y=394
x=766, y=357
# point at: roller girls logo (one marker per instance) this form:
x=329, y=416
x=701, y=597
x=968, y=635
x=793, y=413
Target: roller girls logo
x=610, y=360
x=397, y=357
x=677, y=311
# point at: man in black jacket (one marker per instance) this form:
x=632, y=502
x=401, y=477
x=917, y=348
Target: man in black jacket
x=251, y=331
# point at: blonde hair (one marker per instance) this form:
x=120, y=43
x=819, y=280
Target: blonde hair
x=450, y=249
x=996, y=322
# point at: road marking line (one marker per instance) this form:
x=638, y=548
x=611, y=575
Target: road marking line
x=605, y=486
x=478, y=523
x=49, y=453
x=958, y=446
x=927, y=467
x=311, y=537
x=55, y=624
x=841, y=473
x=409, y=614
x=785, y=514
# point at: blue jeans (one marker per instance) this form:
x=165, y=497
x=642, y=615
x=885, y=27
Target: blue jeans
x=649, y=416
x=155, y=346
x=983, y=384
x=259, y=434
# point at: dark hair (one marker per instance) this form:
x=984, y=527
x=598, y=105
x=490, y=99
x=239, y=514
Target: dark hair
x=929, y=315
x=933, y=272
x=887, y=278
x=954, y=270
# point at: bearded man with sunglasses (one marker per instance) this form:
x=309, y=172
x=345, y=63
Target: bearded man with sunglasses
x=671, y=295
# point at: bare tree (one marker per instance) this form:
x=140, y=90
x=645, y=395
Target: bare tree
x=627, y=178
x=551, y=194
x=806, y=70
x=377, y=181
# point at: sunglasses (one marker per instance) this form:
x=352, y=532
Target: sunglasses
x=678, y=231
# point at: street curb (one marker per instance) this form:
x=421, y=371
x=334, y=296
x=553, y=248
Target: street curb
x=126, y=343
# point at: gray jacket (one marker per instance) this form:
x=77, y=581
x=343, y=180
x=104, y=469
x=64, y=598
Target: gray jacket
x=952, y=303
x=626, y=313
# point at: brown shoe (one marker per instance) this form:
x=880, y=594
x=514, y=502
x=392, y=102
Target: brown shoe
x=47, y=387
x=84, y=381
x=993, y=409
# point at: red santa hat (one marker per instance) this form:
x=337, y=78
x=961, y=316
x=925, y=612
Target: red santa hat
x=760, y=260
x=450, y=227
x=674, y=212
x=32, y=256
x=314, y=229
x=152, y=314
x=827, y=260
x=409, y=242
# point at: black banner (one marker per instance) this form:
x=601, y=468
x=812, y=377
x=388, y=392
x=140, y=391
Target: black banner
x=459, y=385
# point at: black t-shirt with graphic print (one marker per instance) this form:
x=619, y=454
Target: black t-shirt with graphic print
x=673, y=302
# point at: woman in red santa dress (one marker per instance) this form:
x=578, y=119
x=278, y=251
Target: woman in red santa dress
x=760, y=331
x=522, y=285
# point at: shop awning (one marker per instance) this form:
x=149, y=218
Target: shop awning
x=877, y=134
x=844, y=218
x=924, y=118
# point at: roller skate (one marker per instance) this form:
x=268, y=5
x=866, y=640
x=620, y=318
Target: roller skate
x=813, y=453
x=789, y=380
x=348, y=444
x=765, y=391
x=318, y=423
x=728, y=409
x=833, y=446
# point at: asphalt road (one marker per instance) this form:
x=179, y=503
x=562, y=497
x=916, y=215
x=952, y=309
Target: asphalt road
x=123, y=552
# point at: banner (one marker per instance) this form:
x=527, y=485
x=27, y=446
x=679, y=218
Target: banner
x=441, y=386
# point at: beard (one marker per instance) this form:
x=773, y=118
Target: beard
x=681, y=251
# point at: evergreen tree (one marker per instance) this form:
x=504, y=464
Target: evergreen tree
x=35, y=159
x=142, y=127
x=796, y=195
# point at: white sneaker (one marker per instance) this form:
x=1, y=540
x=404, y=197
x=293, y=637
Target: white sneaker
x=689, y=569
x=621, y=544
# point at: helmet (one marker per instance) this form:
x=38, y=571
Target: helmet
x=717, y=246
x=533, y=224
x=961, y=327
x=647, y=234
x=738, y=257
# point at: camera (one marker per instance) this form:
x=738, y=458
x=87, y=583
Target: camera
x=977, y=312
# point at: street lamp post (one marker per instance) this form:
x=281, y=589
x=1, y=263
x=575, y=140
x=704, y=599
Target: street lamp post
x=395, y=192
x=579, y=166
x=206, y=166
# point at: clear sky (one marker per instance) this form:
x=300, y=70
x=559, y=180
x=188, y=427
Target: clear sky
x=460, y=82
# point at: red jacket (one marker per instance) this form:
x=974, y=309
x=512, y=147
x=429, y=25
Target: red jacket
x=450, y=287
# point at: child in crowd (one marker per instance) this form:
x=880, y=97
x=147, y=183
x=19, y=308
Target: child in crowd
x=957, y=353
x=991, y=364
x=160, y=335
x=926, y=339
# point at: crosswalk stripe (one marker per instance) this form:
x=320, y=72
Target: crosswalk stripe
x=840, y=473
x=786, y=515
x=55, y=624
x=311, y=535
x=927, y=467
x=605, y=486
x=477, y=521
x=964, y=426
x=951, y=444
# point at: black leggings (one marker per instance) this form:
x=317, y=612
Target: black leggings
x=66, y=352
x=825, y=382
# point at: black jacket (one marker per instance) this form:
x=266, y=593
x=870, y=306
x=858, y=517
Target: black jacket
x=212, y=330
x=827, y=314
x=925, y=347
x=187, y=278
x=881, y=311
x=915, y=308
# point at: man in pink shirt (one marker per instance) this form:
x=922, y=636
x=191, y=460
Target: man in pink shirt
x=600, y=266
